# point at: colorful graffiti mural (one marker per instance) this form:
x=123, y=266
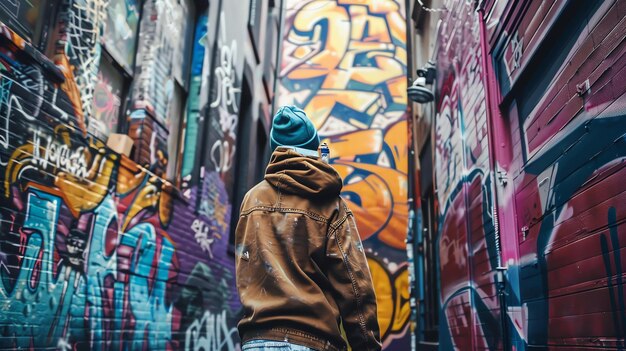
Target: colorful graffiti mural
x=107, y=102
x=62, y=242
x=468, y=257
x=546, y=203
x=90, y=254
x=567, y=197
x=221, y=140
x=344, y=63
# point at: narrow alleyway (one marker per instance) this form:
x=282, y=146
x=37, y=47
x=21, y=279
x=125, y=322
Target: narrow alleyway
x=481, y=146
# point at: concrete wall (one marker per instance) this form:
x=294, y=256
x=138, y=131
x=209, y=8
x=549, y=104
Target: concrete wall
x=103, y=251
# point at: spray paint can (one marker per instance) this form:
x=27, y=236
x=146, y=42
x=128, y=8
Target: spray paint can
x=325, y=152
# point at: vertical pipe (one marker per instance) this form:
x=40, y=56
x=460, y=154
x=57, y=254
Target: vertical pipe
x=490, y=110
x=412, y=190
x=279, y=56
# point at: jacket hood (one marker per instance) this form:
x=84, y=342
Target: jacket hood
x=306, y=176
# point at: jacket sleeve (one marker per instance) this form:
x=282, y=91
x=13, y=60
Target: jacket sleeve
x=349, y=275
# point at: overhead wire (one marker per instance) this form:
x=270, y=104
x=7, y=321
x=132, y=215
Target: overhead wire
x=428, y=9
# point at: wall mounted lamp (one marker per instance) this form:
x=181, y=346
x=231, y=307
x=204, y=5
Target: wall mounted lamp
x=418, y=91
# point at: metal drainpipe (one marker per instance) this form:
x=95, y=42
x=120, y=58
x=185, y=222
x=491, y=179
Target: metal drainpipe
x=279, y=56
x=413, y=195
x=500, y=270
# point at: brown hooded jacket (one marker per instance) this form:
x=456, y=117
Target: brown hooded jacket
x=301, y=267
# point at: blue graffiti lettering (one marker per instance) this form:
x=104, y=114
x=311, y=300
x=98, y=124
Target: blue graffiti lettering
x=47, y=306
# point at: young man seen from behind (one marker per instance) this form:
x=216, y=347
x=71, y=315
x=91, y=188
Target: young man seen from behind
x=301, y=267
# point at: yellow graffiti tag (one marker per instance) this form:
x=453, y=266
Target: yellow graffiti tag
x=81, y=177
x=147, y=191
x=392, y=297
x=317, y=47
x=383, y=191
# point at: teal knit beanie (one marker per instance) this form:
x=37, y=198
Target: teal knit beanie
x=292, y=127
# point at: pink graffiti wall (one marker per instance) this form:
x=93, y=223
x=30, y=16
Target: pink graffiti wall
x=467, y=253
x=530, y=140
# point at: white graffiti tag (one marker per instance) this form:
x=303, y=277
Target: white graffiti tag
x=56, y=154
x=222, y=155
x=63, y=344
x=225, y=72
x=203, y=236
x=210, y=333
x=83, y=49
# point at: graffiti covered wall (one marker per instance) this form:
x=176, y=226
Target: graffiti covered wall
x=221, y=139
x=344, y=63
x=466, y=240
x=98, y=251
x=567, y=161
x=555, y=183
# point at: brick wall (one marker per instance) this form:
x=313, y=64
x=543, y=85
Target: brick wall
x=99, y=250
